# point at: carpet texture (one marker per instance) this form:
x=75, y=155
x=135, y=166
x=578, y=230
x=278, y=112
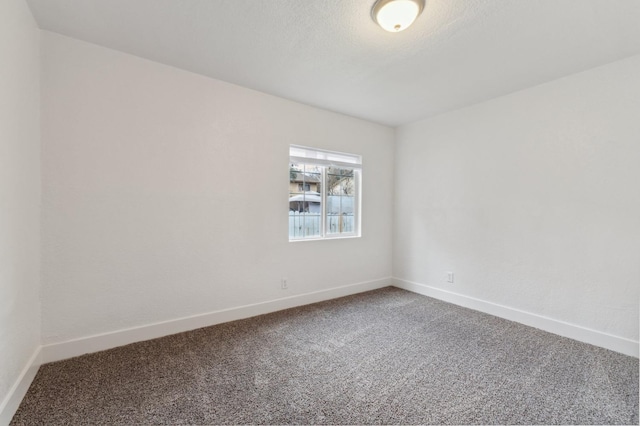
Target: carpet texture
x=382, y=357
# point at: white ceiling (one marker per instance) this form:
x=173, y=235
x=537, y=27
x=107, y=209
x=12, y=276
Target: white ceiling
x=330, y=54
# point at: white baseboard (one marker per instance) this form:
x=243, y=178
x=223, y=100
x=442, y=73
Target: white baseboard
x=572, y=331
x=100, y=342
x=19, y=389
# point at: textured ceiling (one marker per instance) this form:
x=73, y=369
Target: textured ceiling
x=330, y=54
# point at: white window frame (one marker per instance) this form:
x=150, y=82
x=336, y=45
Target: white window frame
x=324, y=159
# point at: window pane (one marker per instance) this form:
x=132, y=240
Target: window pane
x=340, y=201
x=305, y=201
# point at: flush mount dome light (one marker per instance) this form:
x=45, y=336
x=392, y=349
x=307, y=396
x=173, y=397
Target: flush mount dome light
x=396, y=15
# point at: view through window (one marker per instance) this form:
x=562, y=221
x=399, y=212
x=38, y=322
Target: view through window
x=324, y=193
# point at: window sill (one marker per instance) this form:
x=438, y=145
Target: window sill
x=341, y=237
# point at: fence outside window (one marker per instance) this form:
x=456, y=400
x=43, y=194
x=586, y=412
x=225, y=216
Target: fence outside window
x=302, y=224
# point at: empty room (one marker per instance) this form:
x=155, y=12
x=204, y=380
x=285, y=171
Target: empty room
x=319, y=212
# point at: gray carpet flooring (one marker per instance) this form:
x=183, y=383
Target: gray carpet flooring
x=382, y=357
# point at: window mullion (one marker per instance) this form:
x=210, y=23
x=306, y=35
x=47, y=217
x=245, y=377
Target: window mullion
x=323, y=204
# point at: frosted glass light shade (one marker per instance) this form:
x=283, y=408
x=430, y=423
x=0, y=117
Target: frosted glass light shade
x=396, y=15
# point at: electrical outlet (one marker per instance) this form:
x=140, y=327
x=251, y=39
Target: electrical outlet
x=450, y=277
x=283, y=284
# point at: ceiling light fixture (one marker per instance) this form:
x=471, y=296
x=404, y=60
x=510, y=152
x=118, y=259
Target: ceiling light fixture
x=396, y=15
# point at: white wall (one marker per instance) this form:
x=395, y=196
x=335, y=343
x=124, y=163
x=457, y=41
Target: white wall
x=532, y=200
x=19, y=194
x=165, y=194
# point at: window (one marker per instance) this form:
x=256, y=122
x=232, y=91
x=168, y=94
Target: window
x=324, y=194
